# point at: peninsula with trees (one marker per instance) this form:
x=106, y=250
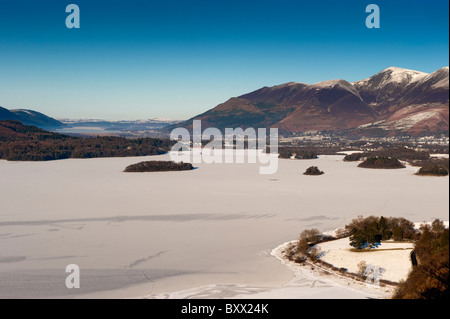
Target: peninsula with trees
x=422, y=249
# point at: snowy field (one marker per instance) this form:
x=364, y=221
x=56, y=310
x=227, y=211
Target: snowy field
x=392, y=257
x=205, y=233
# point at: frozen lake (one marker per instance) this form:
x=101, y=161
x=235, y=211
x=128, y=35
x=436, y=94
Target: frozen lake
x=207, y=232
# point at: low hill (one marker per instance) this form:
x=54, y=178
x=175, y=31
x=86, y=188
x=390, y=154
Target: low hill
x=20, y=142
x=7, y=115
x=29, y=117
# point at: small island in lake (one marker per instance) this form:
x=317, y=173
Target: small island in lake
x=158, y=166
x=313, y=170
x=433, y=170
x=381, y=162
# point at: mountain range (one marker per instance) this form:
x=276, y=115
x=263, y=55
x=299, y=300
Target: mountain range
x=394, y=101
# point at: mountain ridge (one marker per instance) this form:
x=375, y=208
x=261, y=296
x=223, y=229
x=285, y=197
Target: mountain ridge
x=391, y=102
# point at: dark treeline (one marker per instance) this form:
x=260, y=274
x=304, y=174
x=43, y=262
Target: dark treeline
x=434, y=170
x=429, y=166
x=381, y=162
x=434, y=167
x=158, y=166
x=430, y=278
x=370, y=231
x=11, y=130
x=402, y=153
x=28, y=143
x=395, y=146
x=307, y=151
x=297, y=153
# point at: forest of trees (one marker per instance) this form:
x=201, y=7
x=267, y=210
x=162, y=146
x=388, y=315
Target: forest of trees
x=297, y=153
x=429, y=166
x=434, y=167
x=433, y=170
x=430, y=278
x=401, y=153
x=28, y=143
x=366, y=233
x=158, y=166
x=354, y=157
x=383, y=162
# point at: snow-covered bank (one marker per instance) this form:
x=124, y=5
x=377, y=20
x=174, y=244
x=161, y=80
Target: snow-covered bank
x=346, y=285
x=391, y=261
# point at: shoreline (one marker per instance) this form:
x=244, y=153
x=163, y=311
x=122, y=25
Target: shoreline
x=321, y=273
x=310, y=269
x=307, y=282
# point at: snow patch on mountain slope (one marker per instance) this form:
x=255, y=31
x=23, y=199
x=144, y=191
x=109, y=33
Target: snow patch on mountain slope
x=405, y=123
x=409, y=121
x=24, y=111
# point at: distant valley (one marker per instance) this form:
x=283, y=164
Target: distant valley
x=150, y=127
x=84, y=126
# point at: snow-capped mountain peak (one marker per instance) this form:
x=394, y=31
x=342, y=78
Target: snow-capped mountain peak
x=336, y=83
x=400, y=75
x=393, y=76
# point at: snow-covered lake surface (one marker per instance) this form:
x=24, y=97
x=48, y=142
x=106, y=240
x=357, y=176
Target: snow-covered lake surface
x=207, y=233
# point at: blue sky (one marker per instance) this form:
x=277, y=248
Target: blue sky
x=140, y=59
